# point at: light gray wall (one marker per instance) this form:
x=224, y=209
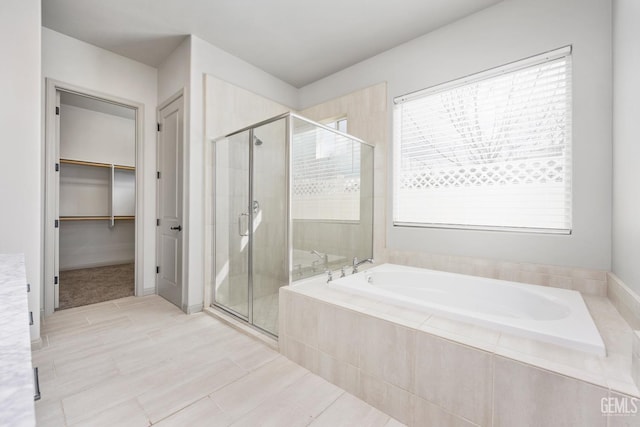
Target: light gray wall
x=511, y=30
x=626, y=142
x=173, y=73
x=21, y=159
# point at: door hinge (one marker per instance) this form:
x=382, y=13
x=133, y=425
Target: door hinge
x=55, y=280
x=28, y=287
x=157, y=174
x=158, y=127
x=57, y=167
x=56, y=223
x=157, y=222
x=57, y=111
x=157, y=269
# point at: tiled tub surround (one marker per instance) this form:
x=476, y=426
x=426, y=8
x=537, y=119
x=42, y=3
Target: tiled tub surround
x=16, y=375
x=586, y=281
x=624, y=299
x=427, y=370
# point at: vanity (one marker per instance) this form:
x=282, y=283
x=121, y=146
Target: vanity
x=18, y=379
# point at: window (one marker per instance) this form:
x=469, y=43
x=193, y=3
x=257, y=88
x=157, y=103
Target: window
x=490, y=151
x=326, y=173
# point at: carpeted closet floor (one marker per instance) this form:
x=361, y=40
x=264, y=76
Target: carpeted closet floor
x=91, y=285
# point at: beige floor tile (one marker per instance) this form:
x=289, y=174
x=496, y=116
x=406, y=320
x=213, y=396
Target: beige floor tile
x=349, y=411
x=296, y=405
x=71, y=337
x=393, y=423
x=105, y=395
x=250, y=391
x=128, y=414
x=203, y=413
x=49, y=413
x=425, y=413
x=178, y=393
x=135, y=361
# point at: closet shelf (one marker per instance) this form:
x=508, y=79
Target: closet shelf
x=96, y=164
x=95, y=218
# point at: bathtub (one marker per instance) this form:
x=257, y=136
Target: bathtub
x=557, y=316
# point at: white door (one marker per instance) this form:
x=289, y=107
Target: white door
x=169, y=177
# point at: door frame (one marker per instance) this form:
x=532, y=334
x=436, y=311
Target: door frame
x=51, y=146
x=185, y=196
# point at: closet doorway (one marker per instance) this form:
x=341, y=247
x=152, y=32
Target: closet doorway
x=92, y=198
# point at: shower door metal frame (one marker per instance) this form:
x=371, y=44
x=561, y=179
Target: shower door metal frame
x=250, y=211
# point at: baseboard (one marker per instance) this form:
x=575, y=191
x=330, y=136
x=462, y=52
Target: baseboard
x=626, y=301
x=36, y=344
x=148, y=291
x=196, y=308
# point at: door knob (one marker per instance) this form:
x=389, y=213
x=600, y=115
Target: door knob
x=179, y=228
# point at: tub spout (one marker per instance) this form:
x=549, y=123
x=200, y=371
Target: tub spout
x=323, y=257
x=357, y=263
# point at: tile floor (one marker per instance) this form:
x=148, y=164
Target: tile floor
x=141, y=361
x=265, y=312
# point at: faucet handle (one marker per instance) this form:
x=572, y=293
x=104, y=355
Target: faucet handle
x=357, y=263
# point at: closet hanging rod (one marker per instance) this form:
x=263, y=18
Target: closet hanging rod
x=96, y=164
x=95, y=218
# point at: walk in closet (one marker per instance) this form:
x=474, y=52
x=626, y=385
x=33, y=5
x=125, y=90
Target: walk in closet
x=96, y=201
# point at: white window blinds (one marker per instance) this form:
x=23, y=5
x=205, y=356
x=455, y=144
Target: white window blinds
x=489, y=151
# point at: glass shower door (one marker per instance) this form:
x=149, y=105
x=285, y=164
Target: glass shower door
x=269, y=255
x=232, y=222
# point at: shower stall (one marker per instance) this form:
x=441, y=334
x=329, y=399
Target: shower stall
x=292, y=199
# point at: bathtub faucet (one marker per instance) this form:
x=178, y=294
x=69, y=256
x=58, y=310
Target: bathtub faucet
x=323, y=257
x=357, y=263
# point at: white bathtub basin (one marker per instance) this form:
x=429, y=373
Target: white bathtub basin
x=553, y=315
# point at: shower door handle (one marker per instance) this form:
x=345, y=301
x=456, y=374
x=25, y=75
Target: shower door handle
x=240, y=225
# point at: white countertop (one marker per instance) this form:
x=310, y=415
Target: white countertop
x=16, y=374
